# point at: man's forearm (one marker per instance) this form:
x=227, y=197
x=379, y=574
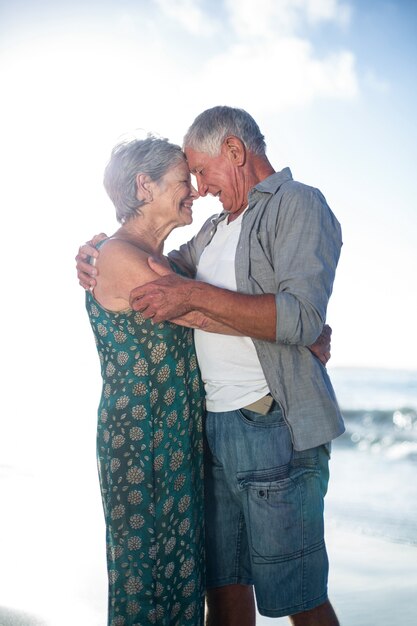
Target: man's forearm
x=172, y=296
x=199, y=321
x=251, y=316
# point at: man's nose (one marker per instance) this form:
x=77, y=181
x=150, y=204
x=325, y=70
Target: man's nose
x=201, y=186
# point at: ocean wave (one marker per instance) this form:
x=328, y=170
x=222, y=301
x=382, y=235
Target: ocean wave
x=391, y=433
x=374, y=389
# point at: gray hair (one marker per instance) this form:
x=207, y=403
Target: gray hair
x=152, y=156
x=210, y=128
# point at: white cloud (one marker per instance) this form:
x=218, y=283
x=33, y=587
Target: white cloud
x=327, y=10
x=189, y=14
x=272, y=18
x=268, y=47
x=281, y=74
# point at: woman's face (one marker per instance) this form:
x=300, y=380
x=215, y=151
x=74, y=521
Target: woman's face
x=174, y=195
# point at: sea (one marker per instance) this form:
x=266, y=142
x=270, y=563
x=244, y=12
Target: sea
x=373, y=486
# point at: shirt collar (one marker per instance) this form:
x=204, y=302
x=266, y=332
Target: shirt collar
x=273, y=182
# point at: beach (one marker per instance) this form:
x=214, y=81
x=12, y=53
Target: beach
x=52, y=539
x=372, y=581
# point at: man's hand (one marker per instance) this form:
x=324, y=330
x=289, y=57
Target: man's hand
x=86, y=271
x=321, y=347
x=165, y=298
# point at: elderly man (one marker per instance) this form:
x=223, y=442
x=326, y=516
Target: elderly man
x=264, y=268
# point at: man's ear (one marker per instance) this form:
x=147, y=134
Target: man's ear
x=235, y=150
x=144, y=187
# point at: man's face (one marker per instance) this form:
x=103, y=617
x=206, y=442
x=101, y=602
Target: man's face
x=219, y=177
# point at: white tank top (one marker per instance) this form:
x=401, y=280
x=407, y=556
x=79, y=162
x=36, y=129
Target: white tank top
x=230, y=368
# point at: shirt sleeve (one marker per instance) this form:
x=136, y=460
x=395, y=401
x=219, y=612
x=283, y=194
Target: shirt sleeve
x=306, y=252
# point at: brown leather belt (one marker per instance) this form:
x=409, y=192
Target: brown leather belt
x=262, y=406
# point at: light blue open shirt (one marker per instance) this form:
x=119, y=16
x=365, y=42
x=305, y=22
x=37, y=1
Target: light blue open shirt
x=289, y=245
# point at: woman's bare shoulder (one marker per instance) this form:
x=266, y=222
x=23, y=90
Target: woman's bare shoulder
x=122, y=266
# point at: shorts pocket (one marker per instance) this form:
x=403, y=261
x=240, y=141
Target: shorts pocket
x=284, y=517
x=274, y=513
x=264, y=446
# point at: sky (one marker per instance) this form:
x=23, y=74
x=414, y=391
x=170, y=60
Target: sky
x=332, y=86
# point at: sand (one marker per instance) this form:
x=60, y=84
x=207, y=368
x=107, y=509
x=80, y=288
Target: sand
x=53, y=570
x=372, y=582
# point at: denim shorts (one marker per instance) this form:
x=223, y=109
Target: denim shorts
x=264, y=511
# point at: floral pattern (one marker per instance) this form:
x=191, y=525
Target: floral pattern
x=149, y=450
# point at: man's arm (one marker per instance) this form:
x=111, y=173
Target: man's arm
x=86, y=271
x=173, y=296
x=320, y=348
x=199, y=321
x=305, y=254
x=306, y=245
x=175, y=290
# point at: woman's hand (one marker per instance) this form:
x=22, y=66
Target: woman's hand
x=321, y=347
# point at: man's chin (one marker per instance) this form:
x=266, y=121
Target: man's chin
x=226, y=208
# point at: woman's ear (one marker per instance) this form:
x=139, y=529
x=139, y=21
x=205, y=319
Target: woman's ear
x=235, y=150
x=144, y=188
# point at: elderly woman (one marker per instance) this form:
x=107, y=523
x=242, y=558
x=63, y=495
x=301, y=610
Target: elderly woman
x=149, y=441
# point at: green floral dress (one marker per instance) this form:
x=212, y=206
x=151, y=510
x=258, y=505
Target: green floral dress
x=149, y=449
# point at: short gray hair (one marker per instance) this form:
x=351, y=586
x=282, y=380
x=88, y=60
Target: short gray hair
x=210, y=128
x=152, y=156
